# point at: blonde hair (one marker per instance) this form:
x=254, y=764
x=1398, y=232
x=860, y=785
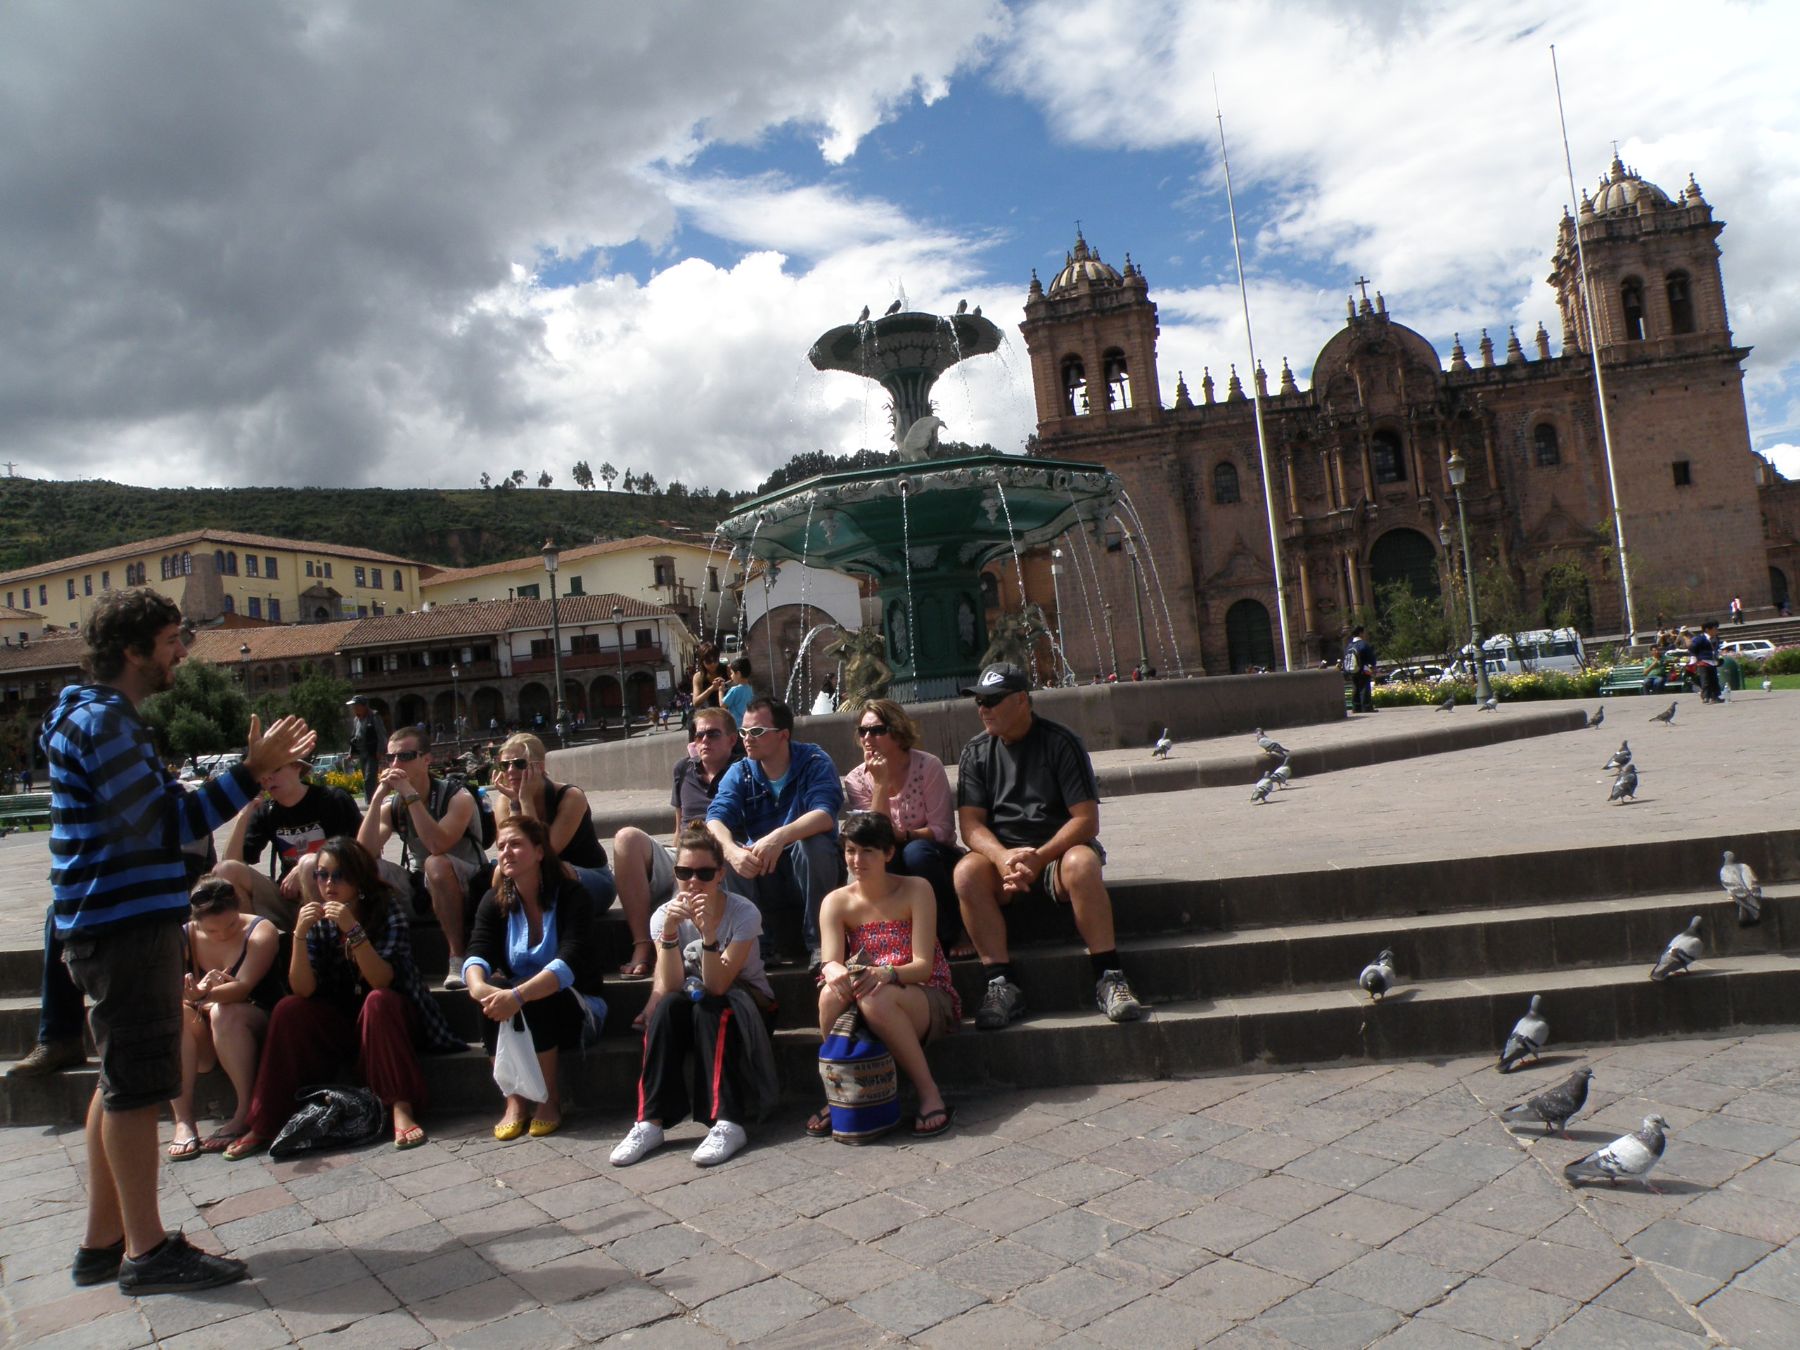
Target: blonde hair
x=523, y=740
x=900, y=726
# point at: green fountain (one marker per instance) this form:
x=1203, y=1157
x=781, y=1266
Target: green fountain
x=924, y=527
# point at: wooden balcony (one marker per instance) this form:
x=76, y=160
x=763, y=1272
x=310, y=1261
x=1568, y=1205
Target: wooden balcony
x=604, y=659
x=470, y=674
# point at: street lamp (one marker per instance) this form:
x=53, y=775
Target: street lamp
x=551, y=559
x=624, y=707
x=1065, y=675
x=1459, y=474
x=244, y=662
x=456, y=719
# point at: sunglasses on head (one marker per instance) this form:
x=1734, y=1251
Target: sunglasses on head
x=402, y=756
x=757, y=733
x=872, y=729
x=709, y=734
x=991, y=700
x=695, y=873
x=515, y=765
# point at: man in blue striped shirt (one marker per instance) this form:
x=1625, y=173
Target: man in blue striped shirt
x=118, y=822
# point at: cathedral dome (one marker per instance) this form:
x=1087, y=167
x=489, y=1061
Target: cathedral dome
x=1623, y=192
x=1083, y=264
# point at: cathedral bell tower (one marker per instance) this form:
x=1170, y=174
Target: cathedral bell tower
x=1092, y=340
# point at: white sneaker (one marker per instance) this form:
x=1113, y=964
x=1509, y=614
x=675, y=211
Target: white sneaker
x=454, y=979
x=723, y=1140
x=644, y=1137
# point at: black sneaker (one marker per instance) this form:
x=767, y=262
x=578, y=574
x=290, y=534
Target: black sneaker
x=176, y=1267
x=1004, y=1002
x=97, y=1265
x=1116, y=999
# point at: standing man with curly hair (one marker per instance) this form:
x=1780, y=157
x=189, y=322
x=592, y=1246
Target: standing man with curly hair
x=118, y=822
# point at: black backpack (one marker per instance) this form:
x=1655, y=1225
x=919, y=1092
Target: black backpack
x=483, y=812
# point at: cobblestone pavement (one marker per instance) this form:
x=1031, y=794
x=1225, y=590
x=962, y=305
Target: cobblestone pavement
x=1350, y=1205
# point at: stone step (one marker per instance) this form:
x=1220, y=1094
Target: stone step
x=1450, y=1016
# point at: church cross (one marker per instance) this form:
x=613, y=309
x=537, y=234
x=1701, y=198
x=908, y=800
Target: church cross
x=1363, y=282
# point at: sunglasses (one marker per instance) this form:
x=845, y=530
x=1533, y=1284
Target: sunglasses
x=515, y=765
x=872, y=729
x=402, y=756
x=710, y=734
x=695, y=873
x=991, y=700
x=757, y=733
x=326, y=877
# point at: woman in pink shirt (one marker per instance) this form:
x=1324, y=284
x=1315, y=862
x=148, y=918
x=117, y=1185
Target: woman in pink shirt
x=909, y=786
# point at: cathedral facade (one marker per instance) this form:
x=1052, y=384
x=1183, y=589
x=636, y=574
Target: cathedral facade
x=1361, y=490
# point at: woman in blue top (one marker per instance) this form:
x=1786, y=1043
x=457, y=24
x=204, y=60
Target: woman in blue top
x=533, y=952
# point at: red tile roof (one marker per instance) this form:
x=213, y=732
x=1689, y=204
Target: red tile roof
x=457, y=575
x=489, y=618
x=63, y=651
x=191, y=537
x=288, y=642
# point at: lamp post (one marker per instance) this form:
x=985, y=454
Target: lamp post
x=244, y=665
x=1459, y=474
x=456, y=720
x=1063, y=675
x=551, y=559
x=624, y=707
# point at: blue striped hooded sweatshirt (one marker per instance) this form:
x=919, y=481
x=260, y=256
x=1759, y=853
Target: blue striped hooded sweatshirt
x=117, y=819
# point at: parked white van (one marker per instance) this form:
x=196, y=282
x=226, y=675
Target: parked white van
x=1543, y=649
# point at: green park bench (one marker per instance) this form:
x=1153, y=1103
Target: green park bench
x=24, y=810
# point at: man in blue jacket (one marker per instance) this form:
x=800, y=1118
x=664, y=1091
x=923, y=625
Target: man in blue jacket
x=775, y=813
x=118, y=822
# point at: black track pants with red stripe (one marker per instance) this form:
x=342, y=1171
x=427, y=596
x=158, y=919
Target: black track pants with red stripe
x=694, y=1060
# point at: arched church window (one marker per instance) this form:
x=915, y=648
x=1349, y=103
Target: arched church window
x=219, y=561
x=1681, y=302
x=1225, y=483
x=1074, y=383
x=1387, y=457
x=1631, y=299
x=187, y=564
x=1544, y=447
x=1118, y=379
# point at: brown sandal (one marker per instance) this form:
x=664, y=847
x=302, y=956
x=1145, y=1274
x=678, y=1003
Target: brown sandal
x=818, y=1125
x=635, y=969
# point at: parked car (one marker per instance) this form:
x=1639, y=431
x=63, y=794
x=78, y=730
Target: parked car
x=1413, y=674
x=1753, y=648
x=335, y=762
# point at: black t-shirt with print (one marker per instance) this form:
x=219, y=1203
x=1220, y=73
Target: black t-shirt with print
x=323, y=813
x=1027, y=787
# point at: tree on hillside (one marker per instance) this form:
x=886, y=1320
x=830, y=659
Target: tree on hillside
x=518, y=478
x=647, y=482
x=544, y=479
x=607, y=474
x=203, y=713
x=583, y=476
x=676, y=488
x=486, y=481
x=629, y=482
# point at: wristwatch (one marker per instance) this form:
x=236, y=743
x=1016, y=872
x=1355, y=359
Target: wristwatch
x=709, y=947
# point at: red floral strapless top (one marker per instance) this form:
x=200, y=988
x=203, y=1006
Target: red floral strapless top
x=888, y=942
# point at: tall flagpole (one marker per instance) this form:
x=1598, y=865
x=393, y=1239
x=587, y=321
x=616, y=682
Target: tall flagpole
x=1256, y=396
x=1587, y=302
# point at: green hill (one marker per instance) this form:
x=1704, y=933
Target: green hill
x=41, y=519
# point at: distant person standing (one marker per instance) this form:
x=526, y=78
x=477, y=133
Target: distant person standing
x=738, y=694
x=368, y=738
x=1737, y=609
x=119, y=883
x=1359, y=669
x=1703, y=652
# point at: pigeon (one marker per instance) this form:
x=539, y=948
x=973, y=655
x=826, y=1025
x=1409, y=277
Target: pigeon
x=864, y=316
x=1666, y=717
x=1163, y=745
x=976, y=312
x=1683, y=950
x=1740, y=883
x=1260, y=793
x=892, y=309
x=1449, y=703
x=1556, y=1106
x=1529, y=1034
x=1768, y=685
x=1628, y=1158
x=1620, y=757
x=1488, y=704
x=962, y=306
x=1378, y=976
x=1283, y=775
x=1270, y=746
x=1624, y=787
x=1596, y=717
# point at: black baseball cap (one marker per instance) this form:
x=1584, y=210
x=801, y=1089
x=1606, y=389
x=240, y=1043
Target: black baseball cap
x=1001, y=678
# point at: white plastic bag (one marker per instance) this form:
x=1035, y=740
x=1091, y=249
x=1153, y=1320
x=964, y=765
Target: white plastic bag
x=516, y=1068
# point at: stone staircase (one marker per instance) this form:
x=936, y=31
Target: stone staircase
x=1255, y=970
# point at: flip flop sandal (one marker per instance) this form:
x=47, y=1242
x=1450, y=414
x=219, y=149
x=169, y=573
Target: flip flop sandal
x=818, y=1125
x=411, y=1137
x=244, y=1146
x=921, y=1131
x=635, y=969
x=180, y=1150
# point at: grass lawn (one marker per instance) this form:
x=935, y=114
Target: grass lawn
x=1780, y=681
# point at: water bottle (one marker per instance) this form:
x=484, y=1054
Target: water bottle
x=694, y=988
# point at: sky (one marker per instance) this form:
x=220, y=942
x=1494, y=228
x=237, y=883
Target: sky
x=317, y=242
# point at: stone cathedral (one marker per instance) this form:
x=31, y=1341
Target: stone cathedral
x=1359, y=458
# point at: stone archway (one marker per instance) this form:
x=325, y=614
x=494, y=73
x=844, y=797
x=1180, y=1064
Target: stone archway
x=641, y=693
x=1407, y=556
x=1778, y=587
x=487, y=707
x=413, y=711
x=534, y=702
x=1248, y=637
x=603, y=694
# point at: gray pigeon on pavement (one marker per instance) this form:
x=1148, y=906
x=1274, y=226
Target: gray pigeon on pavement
x=1162, y=747
x=1260, y=793
x=1449, y=703
x=1556, y=1106
x=1740, y=883
x=1666, y=716
x=1596, y=717
x=1529, y=1035
x=1270, y=746
x=1620, y=757
x=1683, y=950
x=1488, y=704
x=1630, y=1157
x=1283, y=774
x=1378, y=976
x=1768, y=685
x=1624, y=787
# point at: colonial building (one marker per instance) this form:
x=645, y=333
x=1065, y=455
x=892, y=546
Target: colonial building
x=1360, y=457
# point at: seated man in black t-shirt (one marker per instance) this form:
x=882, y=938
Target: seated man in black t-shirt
x=1029, y=812
x=295, y=817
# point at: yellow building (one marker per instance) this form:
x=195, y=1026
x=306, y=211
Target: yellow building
x=214, y=572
